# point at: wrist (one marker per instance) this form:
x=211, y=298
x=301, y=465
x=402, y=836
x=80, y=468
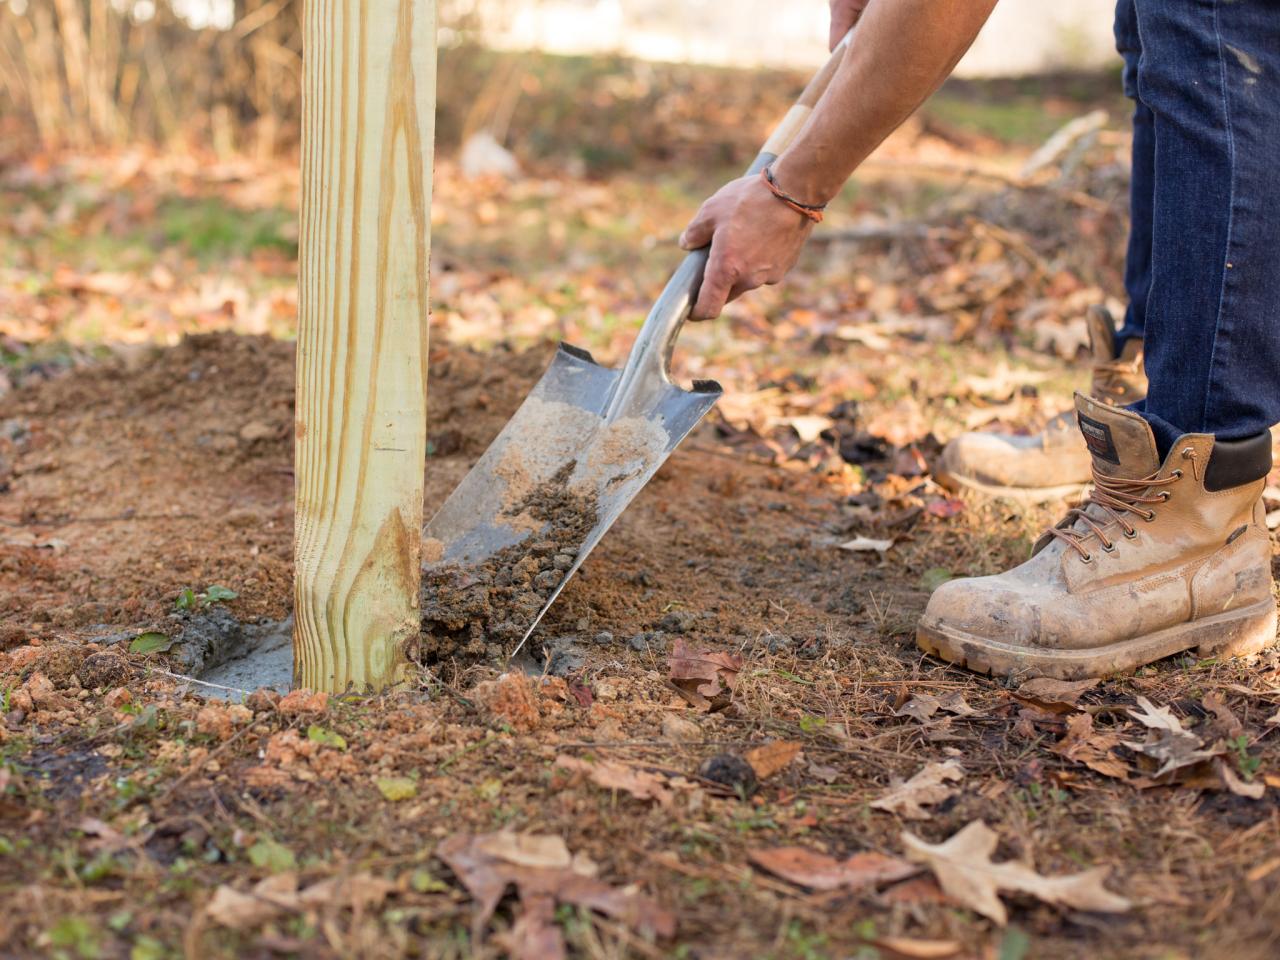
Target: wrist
x=804, y=183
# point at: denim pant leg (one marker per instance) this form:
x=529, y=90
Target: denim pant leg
x=1210, y=74
x=1137, y=263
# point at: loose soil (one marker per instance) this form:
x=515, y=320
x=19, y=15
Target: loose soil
x=128, y=482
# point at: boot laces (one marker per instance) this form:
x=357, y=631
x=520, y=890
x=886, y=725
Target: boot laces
x=1116, y=500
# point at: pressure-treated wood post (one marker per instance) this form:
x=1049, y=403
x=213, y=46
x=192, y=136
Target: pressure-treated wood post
x=369, y=69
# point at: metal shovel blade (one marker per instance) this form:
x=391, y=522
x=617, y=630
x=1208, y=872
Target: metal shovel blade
x=582, y=445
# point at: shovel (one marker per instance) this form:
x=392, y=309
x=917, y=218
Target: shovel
x=583, y=443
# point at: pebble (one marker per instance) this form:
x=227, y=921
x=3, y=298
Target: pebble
x=677, y=621
x=644, y=642
x=603, y=637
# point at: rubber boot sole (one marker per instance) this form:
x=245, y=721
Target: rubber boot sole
x=1237, y=633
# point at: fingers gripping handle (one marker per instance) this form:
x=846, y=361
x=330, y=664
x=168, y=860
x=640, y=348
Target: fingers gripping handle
x=650, y=359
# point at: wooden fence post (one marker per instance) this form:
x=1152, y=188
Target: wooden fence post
x=368, y=124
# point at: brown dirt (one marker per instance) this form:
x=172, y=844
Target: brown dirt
x=143, y=481
x=482, y=611
x=175, y=472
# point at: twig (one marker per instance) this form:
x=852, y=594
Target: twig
x=186, y=679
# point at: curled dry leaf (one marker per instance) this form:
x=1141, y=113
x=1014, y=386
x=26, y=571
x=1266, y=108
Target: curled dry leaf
x=488, y=864
x=769, y=758
x=641, y=784
x=1083, y=744
x=704, y=675
x=929, y=786
x=817, y=871
x=1167, y=742
x=1253, y=789
x=954, y=702
x=966, y=873
x=922, y=706
x=1054, y=696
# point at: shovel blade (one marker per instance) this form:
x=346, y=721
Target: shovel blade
x=550, y=486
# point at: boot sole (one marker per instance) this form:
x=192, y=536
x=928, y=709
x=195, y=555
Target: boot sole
x=1237, y=633
x=1020, y=494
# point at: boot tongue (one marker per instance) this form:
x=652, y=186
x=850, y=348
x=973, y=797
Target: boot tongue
x=1120, y=442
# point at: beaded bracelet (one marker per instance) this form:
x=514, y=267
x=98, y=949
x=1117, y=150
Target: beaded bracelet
x=811, y=210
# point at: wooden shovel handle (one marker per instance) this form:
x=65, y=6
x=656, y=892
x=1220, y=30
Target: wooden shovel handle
x=648, y=368
x=799, y=113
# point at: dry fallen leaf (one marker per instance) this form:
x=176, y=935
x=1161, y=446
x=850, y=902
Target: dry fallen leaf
x=954, y=702
x=929, y=786
x=1083, y=744
x=1228, y=724
x=866, y=545
x=525, y=849
x=1167, y=741
x=240, y=911
x=966, y=873
x=817, y=871
x=1054, y=696
x=612, y=775
x=706, y=674
x=278, y=894
x=1253, y=789
x=535, y=936
x=807, y=426
x=768, y=759
x=922, y=706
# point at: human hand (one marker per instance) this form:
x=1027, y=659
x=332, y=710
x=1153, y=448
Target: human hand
x=844, y=14
x=755, y=239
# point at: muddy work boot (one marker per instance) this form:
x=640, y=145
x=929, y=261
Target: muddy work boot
x=1053, y=463
x=1162, y=557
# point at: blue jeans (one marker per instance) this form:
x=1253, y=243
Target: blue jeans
x=1203, y=263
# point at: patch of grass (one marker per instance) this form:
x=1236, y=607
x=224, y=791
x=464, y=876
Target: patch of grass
x=210, y=229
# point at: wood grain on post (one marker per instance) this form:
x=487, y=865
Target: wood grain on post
x=367, y=134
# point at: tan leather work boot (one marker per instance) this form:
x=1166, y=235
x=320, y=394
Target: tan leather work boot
x=1053, y=463
x=1161, y=558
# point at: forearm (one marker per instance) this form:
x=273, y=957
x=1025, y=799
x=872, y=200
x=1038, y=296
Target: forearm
x=900, y=54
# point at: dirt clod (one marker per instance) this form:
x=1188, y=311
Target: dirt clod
x=104, y=669
x=731, y=771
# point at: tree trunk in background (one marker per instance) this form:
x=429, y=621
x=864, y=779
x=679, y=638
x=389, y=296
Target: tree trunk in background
x=368, y=122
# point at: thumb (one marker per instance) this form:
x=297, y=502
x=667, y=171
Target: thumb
x=699, y=231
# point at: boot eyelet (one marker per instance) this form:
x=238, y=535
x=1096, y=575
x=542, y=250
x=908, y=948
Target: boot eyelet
x=1131, y=534
x=1166, y=496
x=1148, y=517
x=1087, y=558
x=1177, y=474
x=1109, y=548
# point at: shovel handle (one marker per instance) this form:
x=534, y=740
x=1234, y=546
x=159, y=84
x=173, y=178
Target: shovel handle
x=648, y=368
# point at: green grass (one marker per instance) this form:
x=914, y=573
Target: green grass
x=209, y=229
